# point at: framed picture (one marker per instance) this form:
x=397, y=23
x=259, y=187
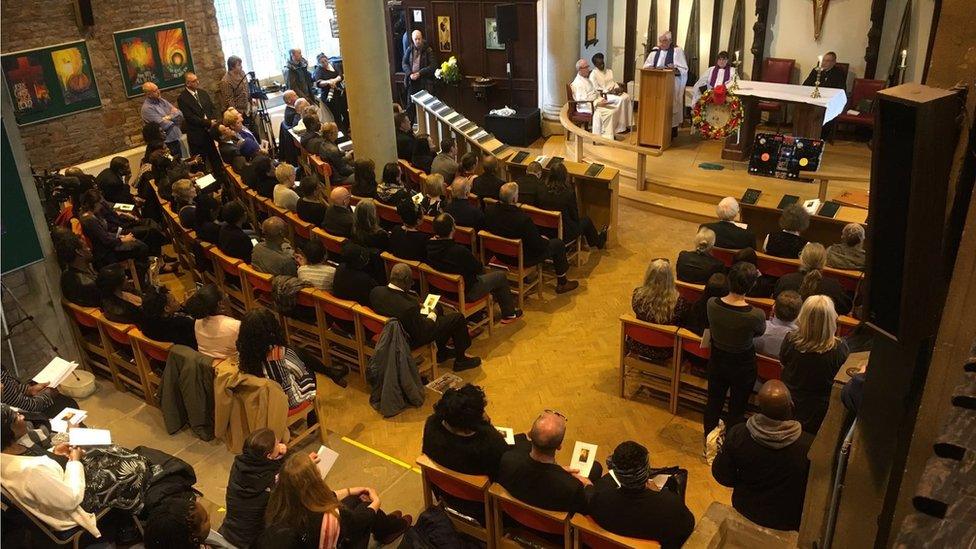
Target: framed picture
x=591, y=38
x=46, y=83
x=491, y=35
x=444, y=33
x=158, y=53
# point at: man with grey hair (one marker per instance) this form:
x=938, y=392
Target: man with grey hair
x=609, y=116
x=505, y=219
x=849, y=252
x=668, y=56
x=728, y=233
x=274, y=255
x=535, y=478
x=698, y=265
x=530, y=184
x=396, y=300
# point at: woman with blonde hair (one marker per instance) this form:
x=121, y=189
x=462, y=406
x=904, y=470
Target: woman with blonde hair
x=303, y=512
x=809, y=280
x=657, y=300
x=366, y=230
x=811, y=357
x=434, y=195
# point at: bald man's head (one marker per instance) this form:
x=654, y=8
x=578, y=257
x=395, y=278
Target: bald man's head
x=490, y=165
x=547, y=433
x=339, y=196
x=775, y=401
x=273, y=229
x=418, y=38
x=151, y=90
x=509, y=193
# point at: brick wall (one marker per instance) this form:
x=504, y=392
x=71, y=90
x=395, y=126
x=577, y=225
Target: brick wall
x=116, y=126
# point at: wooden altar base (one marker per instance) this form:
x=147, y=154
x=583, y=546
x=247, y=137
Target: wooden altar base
x=678, y=187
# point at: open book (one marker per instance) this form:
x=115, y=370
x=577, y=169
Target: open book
x=55, y=372
x=205, y=181
x=89, y=437
x=67, y=418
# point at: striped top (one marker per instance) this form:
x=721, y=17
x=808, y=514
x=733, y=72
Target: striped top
x=284, y=366
x=15, y=394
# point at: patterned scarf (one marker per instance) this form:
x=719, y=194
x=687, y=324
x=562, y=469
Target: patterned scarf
x=634, y=477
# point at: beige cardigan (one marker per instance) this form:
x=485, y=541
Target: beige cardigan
x=51, y=493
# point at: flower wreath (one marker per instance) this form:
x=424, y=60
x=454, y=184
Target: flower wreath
x=719, y=95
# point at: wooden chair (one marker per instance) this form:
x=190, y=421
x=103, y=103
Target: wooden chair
x=228, y=274
x=864, y=88
x=530, y=520
x=466, y=236
x=388, y=213
x=846, y=325
x=780, y=71
x=373, y=324
x=451, y=289
x=587, y=533
x=298, y=424
x=151, y=356
x=764, y=303
x=725, y=254
x=850, y=280
x=415, y=176
x=494, y=251
x=84, y=330
x=122, y=357
x=332, y=243
x=660, y=377
x=338, y=320
x=256, y=287
x=576, y=116
x=771, y=265
x=691, y=292
x=768, y=368
x=691, y=386
x=459, y=485
x=298, y=329
x=389, y=260
x=551, y=223
x=300, y=230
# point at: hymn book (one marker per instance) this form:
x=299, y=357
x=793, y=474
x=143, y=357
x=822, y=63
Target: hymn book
x=67, y=418
x=429, y=303
x=327, y=458
x=508, y=433
x=55, y=372
x=205, y=181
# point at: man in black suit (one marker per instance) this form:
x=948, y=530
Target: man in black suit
x=698, y=265
x=113, y=181
x=506, y=220
x=461, y=209
x=406, y=141
x=199, y=115
x=418, y=66
x=831, y=76
x=338, y=218
x=727, y=233
x=488, y=184
x=530, y=184
x=352, y=280
x=233, y=241
x=395, y=300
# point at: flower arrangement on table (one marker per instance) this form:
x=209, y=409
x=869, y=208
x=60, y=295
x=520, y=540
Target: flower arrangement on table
x=449, y=72
x=717, y=113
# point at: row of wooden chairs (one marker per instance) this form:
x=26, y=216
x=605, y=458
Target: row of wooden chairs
x=510, y=522
x=778, y=266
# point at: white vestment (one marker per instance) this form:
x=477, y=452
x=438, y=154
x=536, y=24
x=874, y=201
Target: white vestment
x=680, y=79
x=604, y=81
x=706, y=80
x=608, y=118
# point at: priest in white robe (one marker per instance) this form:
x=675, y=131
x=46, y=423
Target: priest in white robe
x=719, y=73
x=608, y=115
x=668, y=56
x=602, y=78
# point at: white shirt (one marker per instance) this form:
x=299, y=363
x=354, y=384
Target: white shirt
x=217, y=336
x=583, y=90
x=285, y=197
x=603, y=80
x=52, y=494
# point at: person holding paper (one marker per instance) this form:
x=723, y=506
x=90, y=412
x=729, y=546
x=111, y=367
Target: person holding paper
x=628, y=502
x=602, y=78
x=39, y=398
x=252, y=477
x=668, y=56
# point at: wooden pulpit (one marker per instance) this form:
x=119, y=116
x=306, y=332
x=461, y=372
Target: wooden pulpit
x=656, y=104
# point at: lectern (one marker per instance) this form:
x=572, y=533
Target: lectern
x=656, y=104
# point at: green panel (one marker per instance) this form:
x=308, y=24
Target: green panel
x=19, y=245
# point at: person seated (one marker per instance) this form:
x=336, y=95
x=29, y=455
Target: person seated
x=831, y=75
x=698, y=265
x=355, y=276
x=465, y=213
x=108, y=246
x=312, y=267
x=395, y=300
x=406, y=142
x=364, y=179
x=787, y=242
x=302, y=511
x=423, y=153
x=468, y=166
x=391, y=191
x=602, y=78
x=232, y=240
x=36, y=398
x=658, y=301
x=161, y=319
x=342, y=171
x=488, y=184
x=811, y=356
x=339, y=219
x=181, y=521
x=809, y=280
x=216, y=332
x=366, y=230
x=117, y=303
x=407, y=241
x=274, y=255
x=283, y=194
x=506, y=220
x=252, y=477
x=535, y=478
x=719, y=74
x=849, y=252
x=445, y=162
x=630, y=504
x=311, y=140
x=781, y=322
x=311, y=205
x=206, y=208
x=610, y=114
x=696, y=316
x=764, y=461
x=530, y=184
x=113, y=181
x=434, y=195
x=229, y=147
x=260, y=176
x=264, y=352
x=77, y=275
x=765, y=284
x=446, y=255
x=144, y=229
x=249, y=145
x=560, y=196
x=727, y=234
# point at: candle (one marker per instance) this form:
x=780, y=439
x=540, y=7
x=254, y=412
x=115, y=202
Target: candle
x=904, y=54
x=736, y=56
x=819, y=60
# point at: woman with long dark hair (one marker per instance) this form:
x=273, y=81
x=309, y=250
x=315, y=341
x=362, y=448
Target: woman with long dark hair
x=263, y=351
x=559, y=195
x=364, y=179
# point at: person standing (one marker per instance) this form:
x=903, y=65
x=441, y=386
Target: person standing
x=668, y=56
x=328, y=80
x=418, y=66
x=234, y=92
x=198, y=110
x=296, y=75
x=158, y=110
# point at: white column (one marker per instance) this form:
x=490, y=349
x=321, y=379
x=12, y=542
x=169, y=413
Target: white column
x=558, y=52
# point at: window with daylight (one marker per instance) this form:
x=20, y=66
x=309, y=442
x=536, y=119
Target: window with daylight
x=261, y=32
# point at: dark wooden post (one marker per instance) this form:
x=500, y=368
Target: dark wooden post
x=630, y=42
x=759, y=38
x=874, y=37
x=713, y=45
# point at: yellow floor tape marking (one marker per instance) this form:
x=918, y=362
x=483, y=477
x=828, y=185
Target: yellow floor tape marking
x=381, y=454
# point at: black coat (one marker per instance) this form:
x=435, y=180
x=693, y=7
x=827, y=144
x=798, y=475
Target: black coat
x=563, y=201
x=731, y=236
x=330, y=152
x=834, y=78
x=234, y=242
x=405, y=308
x=465, y=214
x=338, y=221
x=447, y=256
x=406, y=142
x=408, y=244
x=352, y=284
x=508, y=221
x=545, y=485
x=828, y=287
x=197, y=113
x=248, y=489
x=695, y=268
x=487, y=185
x=642, y=513
x=784, y=244
x=114, y=188
x=529, y=188
x=428, y=65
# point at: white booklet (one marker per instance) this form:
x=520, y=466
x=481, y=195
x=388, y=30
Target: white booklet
x=300, y=127
x=205, y=181
x=812, y=205
x=327, y=458
x=89, y=437
x=429, y=303
x=55, y=372
x=584, y=454
x=67, y=418
x=508, y=433
x=123, y=207
x=660, y=481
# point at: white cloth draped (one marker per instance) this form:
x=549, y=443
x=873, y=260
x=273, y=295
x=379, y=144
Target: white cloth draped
x=680, y=79
x=609, y=118
x=605, y=82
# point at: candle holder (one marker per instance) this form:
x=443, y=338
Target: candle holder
x=816, y=87
x=735, y=76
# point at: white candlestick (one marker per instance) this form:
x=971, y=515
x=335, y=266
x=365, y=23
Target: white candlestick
x=904, y=54
x=819, y=60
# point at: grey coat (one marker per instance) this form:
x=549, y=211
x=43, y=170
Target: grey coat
x=393, y=373
x=186, y=392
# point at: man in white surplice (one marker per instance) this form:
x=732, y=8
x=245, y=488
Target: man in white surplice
x=602, y=78
x=668, y=56
x=609, y=116
x=719, y=73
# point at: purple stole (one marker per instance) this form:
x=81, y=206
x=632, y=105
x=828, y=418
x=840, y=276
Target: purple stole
x=725, y=77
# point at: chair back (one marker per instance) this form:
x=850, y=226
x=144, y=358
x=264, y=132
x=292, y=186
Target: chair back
x=768, y=368
x=335, y=308
x=850, y=280
x=459, y=485
x=550, y=222
x=464, y=236
x=373, y=322
x=648, y=333
x=84, y=316
x=499, y=245
x=331, y=242
x=587, y=533
x=449, y=286
x=415, y=176
x=691, y=292
x=776, y=266
x=549, y=522
x=257, y=286
x=763, y=303
x=777, y=70
x=389, y=260
x=302, y=229
x=117, y=333
x=155, y=350
x=726, y=255
x=865, y=88
x=690, y=343
x=321, y=167
x=387, y=213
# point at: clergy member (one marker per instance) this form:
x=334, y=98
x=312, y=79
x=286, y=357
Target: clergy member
x=608, y=117
x=720, y=73
x=668, y=56
x=831, y=76
x=602, y=78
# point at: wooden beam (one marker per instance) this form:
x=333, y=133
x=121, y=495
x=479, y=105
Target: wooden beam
x=759, y=38
x=651, y=29
x=630, y=42
x=874, y=37
x=716, y=35
x=673, y=21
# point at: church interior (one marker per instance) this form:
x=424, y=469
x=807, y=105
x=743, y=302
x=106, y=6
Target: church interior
x=488, y=273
